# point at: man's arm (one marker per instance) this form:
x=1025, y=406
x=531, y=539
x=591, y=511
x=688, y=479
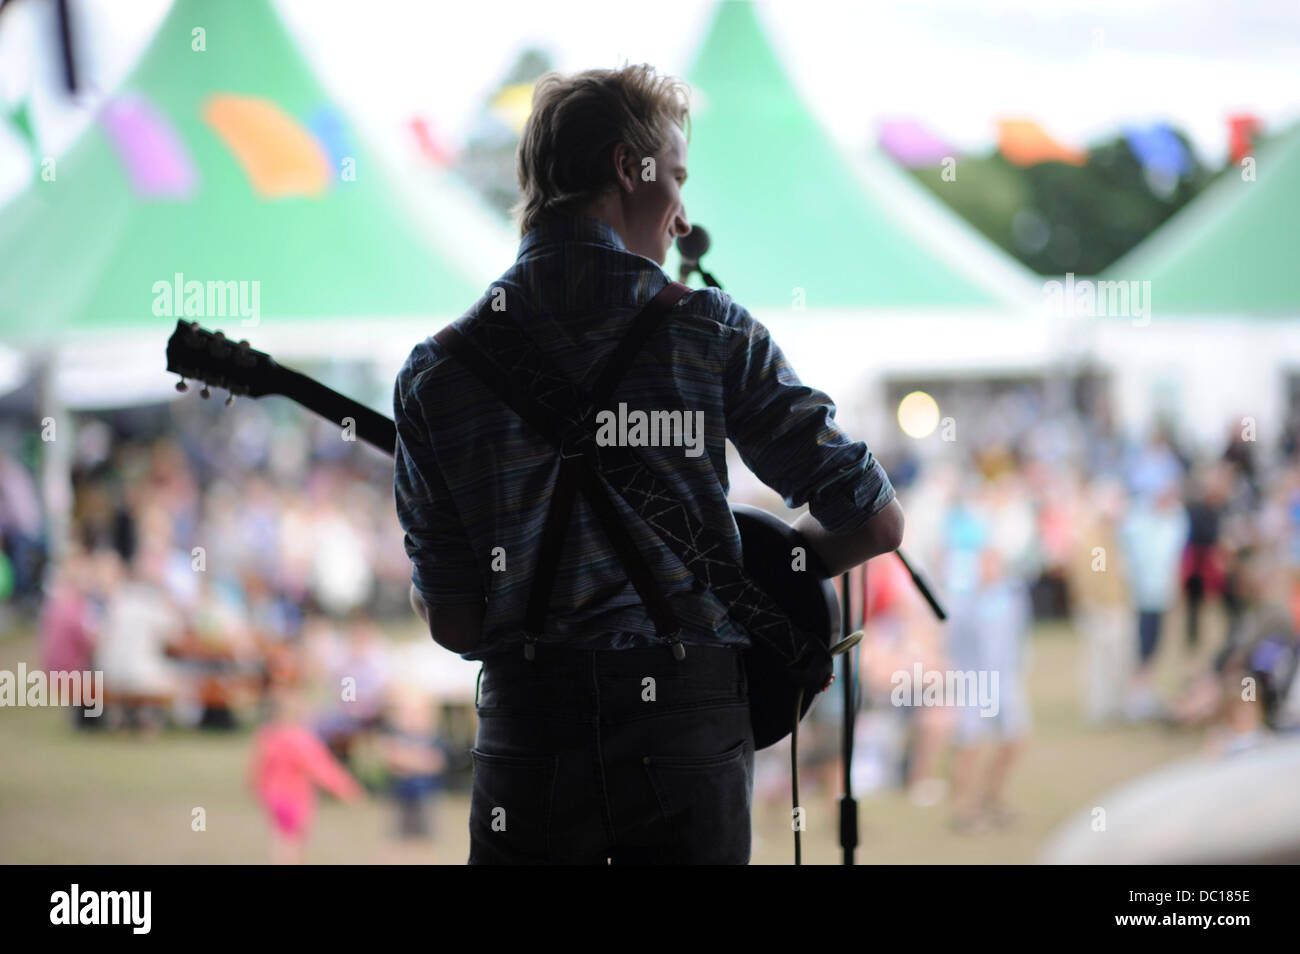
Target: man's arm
x=786, y=433
x=443, y=564
x=840, y=552
x=457, y=628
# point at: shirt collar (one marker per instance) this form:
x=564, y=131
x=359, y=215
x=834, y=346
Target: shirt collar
x=576, y=228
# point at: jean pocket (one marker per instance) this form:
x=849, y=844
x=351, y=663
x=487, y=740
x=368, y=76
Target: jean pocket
x=706, y=801
x=510, y=808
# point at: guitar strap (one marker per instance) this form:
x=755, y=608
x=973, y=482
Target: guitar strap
x=530, y=384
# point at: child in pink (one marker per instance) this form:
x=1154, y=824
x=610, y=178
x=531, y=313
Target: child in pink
x=289, y=762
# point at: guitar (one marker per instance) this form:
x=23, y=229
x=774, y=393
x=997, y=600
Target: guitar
x=807, y=597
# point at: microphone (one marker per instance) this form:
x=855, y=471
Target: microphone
x=692, y=246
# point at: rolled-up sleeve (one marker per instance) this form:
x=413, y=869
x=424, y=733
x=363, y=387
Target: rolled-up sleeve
x=444, y=570
x=786, y=434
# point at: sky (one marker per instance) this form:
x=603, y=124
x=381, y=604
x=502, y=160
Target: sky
x=1081, y=67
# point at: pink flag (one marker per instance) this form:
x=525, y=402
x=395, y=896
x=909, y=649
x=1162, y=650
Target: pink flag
x=912, y=144
x=155, y=158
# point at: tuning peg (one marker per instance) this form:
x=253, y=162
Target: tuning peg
x=243, y=344
x=182, y=386
x=847, y=643
x=220, y=334
x=205, y=393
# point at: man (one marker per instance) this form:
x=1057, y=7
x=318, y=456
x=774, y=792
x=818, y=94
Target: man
x=598, y=745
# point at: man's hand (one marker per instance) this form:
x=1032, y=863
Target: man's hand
x=417, y=604
x=455, y=628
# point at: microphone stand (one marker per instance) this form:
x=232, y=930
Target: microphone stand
x=709, y=280
x=848, y=687
x=848, y=668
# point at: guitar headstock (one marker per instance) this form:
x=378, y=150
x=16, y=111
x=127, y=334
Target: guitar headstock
x=211, y=357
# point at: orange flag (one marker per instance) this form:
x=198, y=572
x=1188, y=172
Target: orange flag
x=1023, y=142
x=278, y=155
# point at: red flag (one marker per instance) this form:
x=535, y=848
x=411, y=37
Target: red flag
x=1242, y=129
x=430, y=147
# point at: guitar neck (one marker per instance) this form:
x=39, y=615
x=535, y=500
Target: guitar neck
x=372, y=427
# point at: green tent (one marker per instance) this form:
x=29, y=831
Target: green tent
x=1233, y=250
x=786, y=209
x=81, y=256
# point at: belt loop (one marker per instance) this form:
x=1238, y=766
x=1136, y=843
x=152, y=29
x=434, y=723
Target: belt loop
x=478, y=683
x=530, y=647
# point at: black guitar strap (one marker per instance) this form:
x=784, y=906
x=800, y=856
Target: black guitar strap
x=577, y=470
x=528, y=382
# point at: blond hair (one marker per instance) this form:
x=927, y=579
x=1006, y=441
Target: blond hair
x=563, y=160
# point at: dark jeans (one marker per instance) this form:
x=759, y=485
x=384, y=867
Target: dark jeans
x=1148, y=634
x=1194, y=590
x=613, y=757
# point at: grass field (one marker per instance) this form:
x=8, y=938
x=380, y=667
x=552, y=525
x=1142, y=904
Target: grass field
x=102, y=798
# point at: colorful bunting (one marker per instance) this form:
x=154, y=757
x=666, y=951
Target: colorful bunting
x=21, y=119
x=327, y=126
x=1242, y=129
x=280, y=158
x=156, y=159
x=513, y=105
x=910, y=143
x=1023, y=142
x=431, y=147
x=1159, y=149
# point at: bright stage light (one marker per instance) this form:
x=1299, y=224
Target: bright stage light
x=918, y=415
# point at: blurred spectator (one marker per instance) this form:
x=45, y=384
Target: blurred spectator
x=1291, y=497
x=67, y=639
x=1153, y=534
x=1203, y=567
x=288, y=764
x=67, y=620
x=1252, y=683
x=987, y=635
x=1101, y=603
x=415, y=758
x=994, y=640
x=140, y=682
x=899, y=743
x=341, y=574
x=1240, y=453
x=20, y=527
x=1257, y=669
x=275, y=626
x=1056, y=492
x=1154, y=467
x=356, y=676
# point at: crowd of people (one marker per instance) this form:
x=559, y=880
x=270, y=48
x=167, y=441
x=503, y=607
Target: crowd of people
x=252, y=571
x=217, y=590
x=1153, y=548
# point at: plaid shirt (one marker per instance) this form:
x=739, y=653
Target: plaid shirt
x=473, y=482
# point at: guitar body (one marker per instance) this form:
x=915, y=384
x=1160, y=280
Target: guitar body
x=812, y=604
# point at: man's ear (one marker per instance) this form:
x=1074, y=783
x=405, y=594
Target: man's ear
x=625, y=166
